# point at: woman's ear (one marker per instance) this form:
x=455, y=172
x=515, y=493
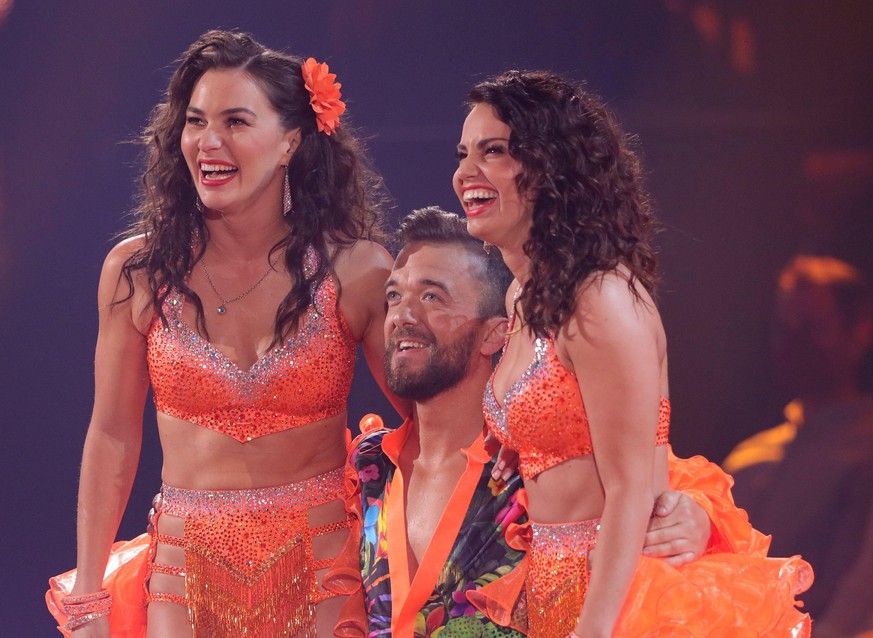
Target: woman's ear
x=292, y=138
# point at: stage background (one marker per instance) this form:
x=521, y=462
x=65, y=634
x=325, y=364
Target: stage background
x=754, y=119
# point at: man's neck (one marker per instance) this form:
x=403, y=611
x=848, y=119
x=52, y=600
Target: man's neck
x=446, y=423
x=432, y=463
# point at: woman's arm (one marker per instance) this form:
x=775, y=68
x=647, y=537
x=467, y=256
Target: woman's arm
x=114, y=437
x=362, y=270
x=615, y=344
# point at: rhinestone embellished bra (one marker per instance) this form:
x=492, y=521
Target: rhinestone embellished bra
x=305, y=379
x=542, y=416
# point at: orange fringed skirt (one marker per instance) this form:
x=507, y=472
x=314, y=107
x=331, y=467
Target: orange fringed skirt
x=249, y=564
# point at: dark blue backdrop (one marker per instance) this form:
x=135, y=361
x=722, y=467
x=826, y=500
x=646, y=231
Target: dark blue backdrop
x=754, y=120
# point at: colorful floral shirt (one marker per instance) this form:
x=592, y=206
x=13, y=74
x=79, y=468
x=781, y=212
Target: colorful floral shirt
x=468, y=549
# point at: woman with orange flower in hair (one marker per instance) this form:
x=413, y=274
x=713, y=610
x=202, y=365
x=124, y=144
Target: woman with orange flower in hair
x=239, y=295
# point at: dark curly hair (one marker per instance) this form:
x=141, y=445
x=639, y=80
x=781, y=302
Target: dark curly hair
x=590, y=211
x=335, y=191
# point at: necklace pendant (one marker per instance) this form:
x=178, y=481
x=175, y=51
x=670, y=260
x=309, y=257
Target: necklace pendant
x=222, y=310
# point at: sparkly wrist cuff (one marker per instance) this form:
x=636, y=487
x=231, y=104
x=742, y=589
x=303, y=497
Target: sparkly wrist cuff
x=81, y=610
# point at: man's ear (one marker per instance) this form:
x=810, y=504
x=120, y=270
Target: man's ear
x=495, y=335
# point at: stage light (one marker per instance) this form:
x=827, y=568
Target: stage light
x=5, y=8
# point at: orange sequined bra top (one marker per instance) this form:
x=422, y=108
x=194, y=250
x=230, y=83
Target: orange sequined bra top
x=542, y=416
x=305, y=379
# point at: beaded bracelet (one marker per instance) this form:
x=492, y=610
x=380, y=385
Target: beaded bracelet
x=81, y=610
x=85, y=598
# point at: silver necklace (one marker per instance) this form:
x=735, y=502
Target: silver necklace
x=224, y=302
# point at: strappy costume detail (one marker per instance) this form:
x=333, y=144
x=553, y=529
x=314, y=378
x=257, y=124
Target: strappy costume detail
x=251, y=561
x=548, y=424
x=250, y=566
x=305, y=379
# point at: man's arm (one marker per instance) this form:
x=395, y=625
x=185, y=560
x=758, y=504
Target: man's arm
x=700, y=516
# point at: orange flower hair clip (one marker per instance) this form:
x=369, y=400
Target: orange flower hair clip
x=324, y=95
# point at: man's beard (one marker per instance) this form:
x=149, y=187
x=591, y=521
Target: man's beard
x=444, y=368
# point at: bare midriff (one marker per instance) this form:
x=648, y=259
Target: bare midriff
x=200, y=458
x=565, y=493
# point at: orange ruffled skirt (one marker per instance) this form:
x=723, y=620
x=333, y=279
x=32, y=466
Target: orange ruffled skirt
x=125, y=577
x=724, y=595
x=733, y=591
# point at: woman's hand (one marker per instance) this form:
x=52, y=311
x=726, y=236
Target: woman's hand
x=507, y=459
x=95, y=629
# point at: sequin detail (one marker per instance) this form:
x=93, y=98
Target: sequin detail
x=305, y=379
x=542, y=415
x=663, y=436
x=164, y=597
x=169, y=570
x=557, y=578
x=249, y=563
x=166, y=539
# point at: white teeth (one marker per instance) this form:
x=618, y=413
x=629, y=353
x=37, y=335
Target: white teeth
x=209, y=168
x=479, y=193
x=405, y=345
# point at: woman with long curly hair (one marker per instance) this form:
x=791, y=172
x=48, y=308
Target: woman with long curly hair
x=240, y=295
x=547, y=176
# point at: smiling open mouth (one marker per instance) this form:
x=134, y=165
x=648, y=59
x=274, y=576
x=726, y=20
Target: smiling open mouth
x=477, y=198
x=217, y=172
x=406, y=344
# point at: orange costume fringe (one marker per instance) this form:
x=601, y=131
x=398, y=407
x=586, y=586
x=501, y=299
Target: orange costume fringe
x=249, y=565
x=734, y=590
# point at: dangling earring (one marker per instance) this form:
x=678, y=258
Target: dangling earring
x=198, y=203
x=287, y=204
x=486, y=247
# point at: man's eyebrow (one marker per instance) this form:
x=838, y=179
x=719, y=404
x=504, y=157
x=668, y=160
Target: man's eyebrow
x=435, y=283
x=422, y=282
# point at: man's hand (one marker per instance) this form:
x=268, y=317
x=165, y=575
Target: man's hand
x=678, y=531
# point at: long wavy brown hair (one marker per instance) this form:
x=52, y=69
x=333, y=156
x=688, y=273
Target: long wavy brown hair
x=591, y=213
x=336, y=193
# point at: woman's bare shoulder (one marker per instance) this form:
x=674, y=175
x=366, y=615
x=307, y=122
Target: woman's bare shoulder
x=613, y=305
x=360, y=251
x=358, y=260
x=612, y=291
x=121, y=252
x=115, y=291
